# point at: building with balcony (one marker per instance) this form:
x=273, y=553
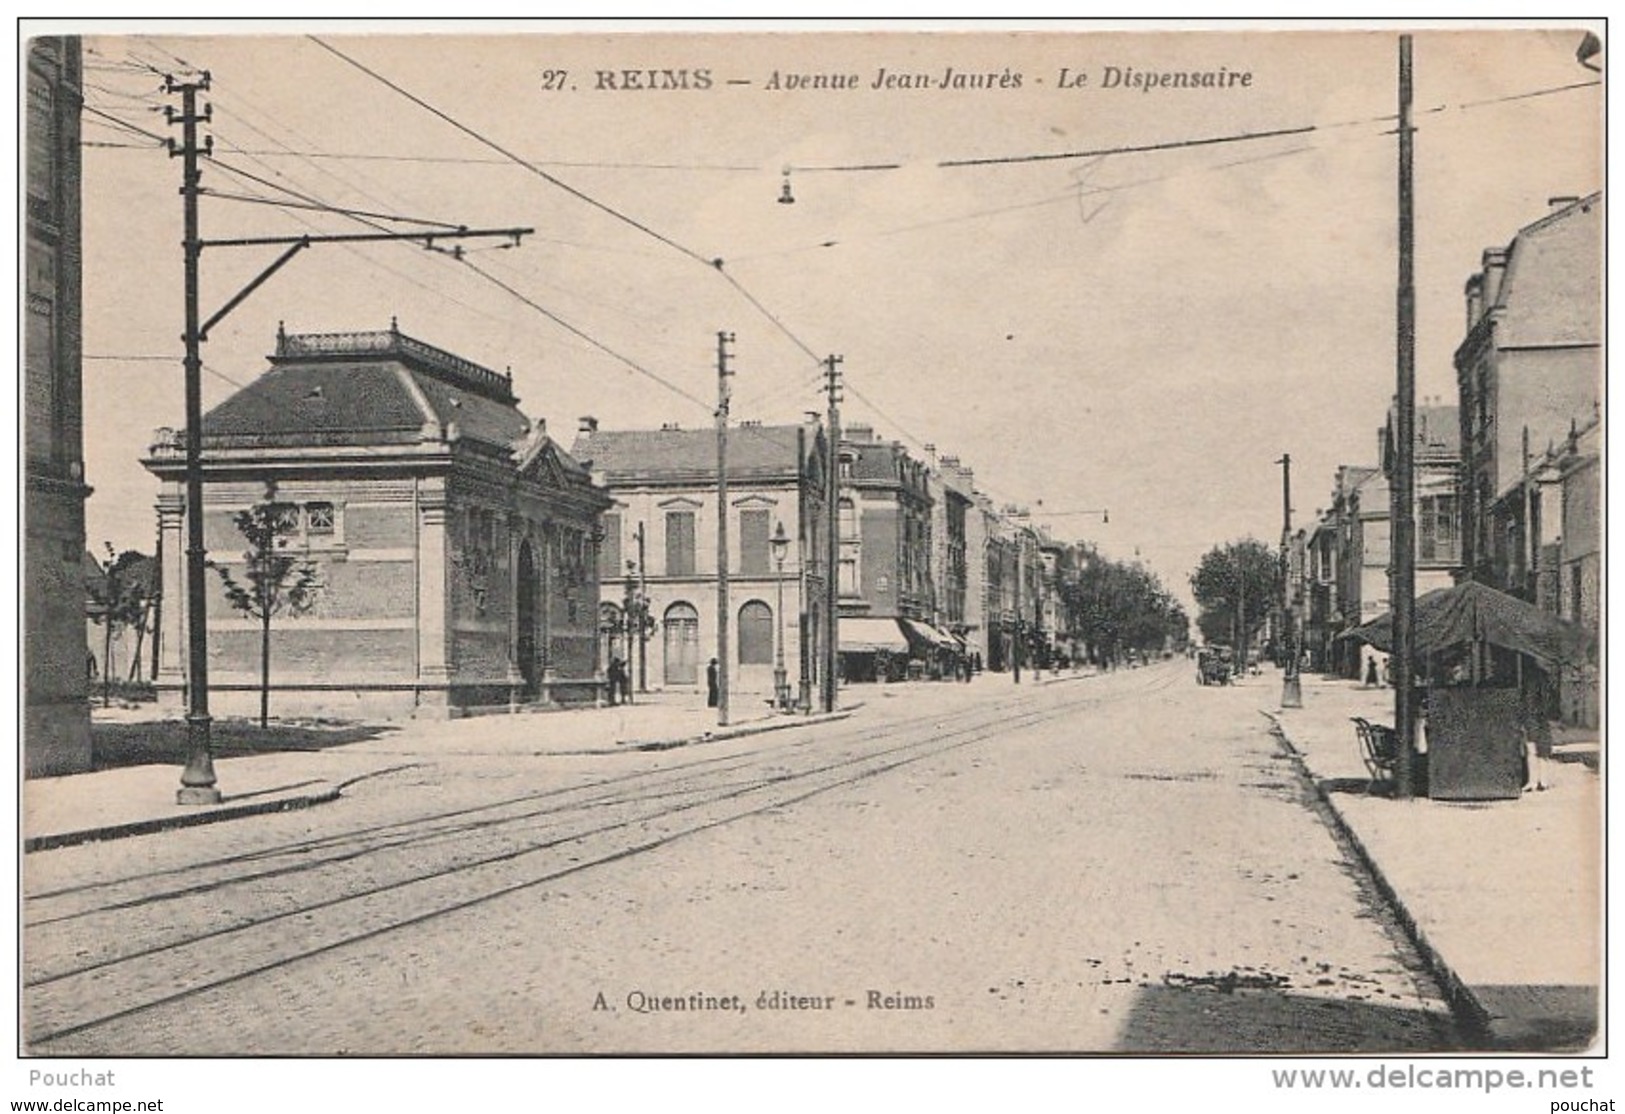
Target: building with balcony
x=454, y=540
x=658, y=557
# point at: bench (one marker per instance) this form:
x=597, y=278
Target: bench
x=1379, y=749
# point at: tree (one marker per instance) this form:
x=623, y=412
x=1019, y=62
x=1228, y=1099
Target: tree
x=1237, y=580
x=1113, y=606
x=278, y=581
x=119, y=589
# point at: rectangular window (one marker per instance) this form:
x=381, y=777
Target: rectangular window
x=286, y=517
x=42, y=153
x=754, y=559
x=609, y=551
x=319, y=519
x=1427, y=536
x=680, y=543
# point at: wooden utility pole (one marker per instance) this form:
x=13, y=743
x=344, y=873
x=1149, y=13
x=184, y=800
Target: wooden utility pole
x=643, y=616
x=803, y=605
x=1291, y=683
x=1403, y=586
x=723, y=340
x=832, y=548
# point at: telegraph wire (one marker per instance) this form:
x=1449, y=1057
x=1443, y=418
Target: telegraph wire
x=125, y=124
x=1246, y=137
x=585, y=336
x=501, y=150
x=456, y=160
x=715, y=264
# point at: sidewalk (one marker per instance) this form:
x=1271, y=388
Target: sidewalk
x=1502, y=898
x=140, y=799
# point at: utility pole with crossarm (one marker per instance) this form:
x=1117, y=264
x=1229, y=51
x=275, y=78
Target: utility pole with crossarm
x=198, y=783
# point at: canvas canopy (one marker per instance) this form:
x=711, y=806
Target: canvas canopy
x=1471, y=612
x=868, y=636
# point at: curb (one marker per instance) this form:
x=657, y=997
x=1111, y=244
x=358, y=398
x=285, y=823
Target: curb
x=1464, y=1004
x=760, y=727
x=181, y=820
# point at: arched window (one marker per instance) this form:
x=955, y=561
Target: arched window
x=755, y=634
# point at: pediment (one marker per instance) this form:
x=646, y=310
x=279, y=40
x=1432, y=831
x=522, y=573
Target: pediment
x=542, y=466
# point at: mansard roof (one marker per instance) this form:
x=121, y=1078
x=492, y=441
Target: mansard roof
x=677, y=455
x=367, y=388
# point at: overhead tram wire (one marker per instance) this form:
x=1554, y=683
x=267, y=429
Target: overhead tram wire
x=125, y=124
x=352, y=249
x=713, y=263
x=518, y=159
x=324, y=208
x=455, y=160
x=716, y=263
x=708, y=407
x=312, y=202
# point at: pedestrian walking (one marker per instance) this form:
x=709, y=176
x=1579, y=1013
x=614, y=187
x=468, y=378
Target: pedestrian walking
x=1536, y=732
x=713, y=687
x=617, y=680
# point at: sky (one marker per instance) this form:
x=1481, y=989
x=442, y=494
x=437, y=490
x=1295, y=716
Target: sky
x=1144, y=331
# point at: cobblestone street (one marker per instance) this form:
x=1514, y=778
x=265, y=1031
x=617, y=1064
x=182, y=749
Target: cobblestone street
x=1122, y=863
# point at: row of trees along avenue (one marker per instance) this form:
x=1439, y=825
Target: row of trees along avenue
x=1234, y=584
x=1117, y=606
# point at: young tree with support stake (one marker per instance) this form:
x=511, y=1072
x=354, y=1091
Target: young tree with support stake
x=119, y=596
x=278, y=581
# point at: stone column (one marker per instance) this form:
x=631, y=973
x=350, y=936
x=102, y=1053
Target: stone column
x=434, y=659
x=518, y=531
x=544, y=610
x=171, y=679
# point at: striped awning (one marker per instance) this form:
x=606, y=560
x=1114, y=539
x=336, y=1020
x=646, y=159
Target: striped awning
x=931, y=635
x=868, y=636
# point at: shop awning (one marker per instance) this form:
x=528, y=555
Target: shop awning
x=868, y=636
x=931, y=636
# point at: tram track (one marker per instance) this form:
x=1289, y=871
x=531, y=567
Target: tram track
x=377, y=883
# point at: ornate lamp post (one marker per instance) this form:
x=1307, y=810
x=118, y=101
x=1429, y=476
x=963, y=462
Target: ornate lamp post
x=780, y=545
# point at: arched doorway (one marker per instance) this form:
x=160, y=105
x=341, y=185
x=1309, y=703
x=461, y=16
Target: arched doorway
x=525, y=609
x=755, y=634
x=682, y=644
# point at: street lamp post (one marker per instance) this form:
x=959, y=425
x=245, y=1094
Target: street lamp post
x=780, y=544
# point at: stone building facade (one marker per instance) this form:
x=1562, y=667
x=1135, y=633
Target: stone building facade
x=56, y=717
x=1528, y=369
x=659, y=553
x=455, y=541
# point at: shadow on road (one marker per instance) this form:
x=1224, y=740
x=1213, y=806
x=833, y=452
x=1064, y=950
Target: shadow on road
x=1213, y=1019
x=163, y=742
